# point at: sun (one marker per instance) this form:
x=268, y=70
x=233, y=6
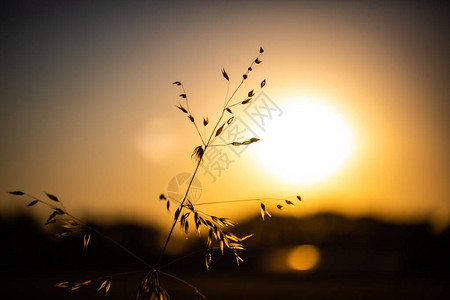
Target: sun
x=309, y=142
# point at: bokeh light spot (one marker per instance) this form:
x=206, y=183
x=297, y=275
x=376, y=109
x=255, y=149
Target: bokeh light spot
x=304, y=257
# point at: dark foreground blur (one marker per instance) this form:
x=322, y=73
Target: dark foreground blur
x=357, y=259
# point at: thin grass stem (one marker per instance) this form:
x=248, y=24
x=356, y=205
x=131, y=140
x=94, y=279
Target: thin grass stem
x=189, y=110
x=182, y=281
x=243, y=200
x=90, y=228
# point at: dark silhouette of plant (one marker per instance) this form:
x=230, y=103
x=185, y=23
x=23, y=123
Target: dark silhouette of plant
x=218, y=237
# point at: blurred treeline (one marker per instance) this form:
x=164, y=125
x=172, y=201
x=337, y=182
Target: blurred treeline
x=360, y=258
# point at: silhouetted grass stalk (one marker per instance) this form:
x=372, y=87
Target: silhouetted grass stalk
x=150, y=287
x=206, y=145
x=176, y=219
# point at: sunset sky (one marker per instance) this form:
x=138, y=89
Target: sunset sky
x=88, y=106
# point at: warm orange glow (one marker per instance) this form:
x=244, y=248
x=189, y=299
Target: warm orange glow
x=308, y=143
x=100, y=129
x=303, y=257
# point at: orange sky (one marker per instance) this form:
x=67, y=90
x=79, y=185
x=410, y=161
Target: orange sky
x=88, y=109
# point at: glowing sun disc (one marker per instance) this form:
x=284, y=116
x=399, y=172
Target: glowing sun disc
x=309, y=142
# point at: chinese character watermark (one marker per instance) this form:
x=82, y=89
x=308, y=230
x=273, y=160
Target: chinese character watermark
x=250, y=124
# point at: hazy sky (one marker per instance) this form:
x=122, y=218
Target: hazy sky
x=88, y=109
